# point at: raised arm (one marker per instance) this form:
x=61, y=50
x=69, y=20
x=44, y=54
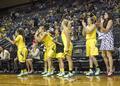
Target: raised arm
x=63, y=23
x=108, y=27
x=84, y=27
x=90, y=29
x=13, y=41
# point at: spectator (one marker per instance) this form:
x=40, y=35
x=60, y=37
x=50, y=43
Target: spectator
x=107, y=43
x=34, y=55
x=4, y=54
x=5, y=59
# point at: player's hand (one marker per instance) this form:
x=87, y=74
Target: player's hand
x=102, y=20
x=7, y=38
x=97, y=23
x=66, y=51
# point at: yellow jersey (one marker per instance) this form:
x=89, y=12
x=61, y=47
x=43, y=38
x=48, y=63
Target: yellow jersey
x=48, y=40
x=64, y=39
x=20, y=42
x=91, y=35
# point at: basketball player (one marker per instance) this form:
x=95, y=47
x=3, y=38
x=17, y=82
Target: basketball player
x=91, y=49
x=43, y=36
x=22, y=52
x=66, y=30
x=59, y=52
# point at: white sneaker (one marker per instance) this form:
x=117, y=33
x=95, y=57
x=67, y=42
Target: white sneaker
x=52, y=72
x=30, y=72
x=25, y=73
x=61, y=74
x=68, y=75
x=97, y=71
x=44, y=72
x=47, y=74
x=90, y=73
x=21, y=74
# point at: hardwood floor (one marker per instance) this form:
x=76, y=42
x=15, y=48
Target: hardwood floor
x=78, y=80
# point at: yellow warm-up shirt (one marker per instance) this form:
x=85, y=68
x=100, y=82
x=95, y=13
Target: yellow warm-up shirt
x=64, y=39
x=20, y=42
x=48, y=40
x=91, y=35
x=91, y=49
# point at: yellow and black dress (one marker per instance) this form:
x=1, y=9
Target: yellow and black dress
x=59, y=48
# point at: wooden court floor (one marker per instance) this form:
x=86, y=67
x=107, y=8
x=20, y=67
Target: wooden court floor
x=78, y=80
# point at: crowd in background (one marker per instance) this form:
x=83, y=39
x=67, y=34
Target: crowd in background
x=31, y=16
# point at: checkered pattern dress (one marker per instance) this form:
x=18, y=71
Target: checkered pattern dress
x=107, y=41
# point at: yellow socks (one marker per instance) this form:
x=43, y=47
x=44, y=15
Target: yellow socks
x=62, y=70
x=25, y=70
x=49, y=70
x=22, y=71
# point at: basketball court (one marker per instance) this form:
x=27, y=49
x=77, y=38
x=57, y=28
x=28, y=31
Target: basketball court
x=78, y=80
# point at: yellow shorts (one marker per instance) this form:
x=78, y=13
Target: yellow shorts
x=60, y=55
x=22, y=54
x=91, y=49
x=50, y=52
x=69, y=52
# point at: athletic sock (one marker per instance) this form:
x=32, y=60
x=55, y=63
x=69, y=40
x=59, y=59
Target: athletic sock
x=62, y=70
x=22, y=71
x=49, y=70
x=25, y=70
